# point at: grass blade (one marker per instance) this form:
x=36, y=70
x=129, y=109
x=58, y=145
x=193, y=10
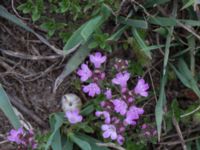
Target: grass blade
x=118, y=34
x=6, y=107
x=133, y=22
x=5, y=14
x=141, y=42
x=186, y=77
x=159, y=106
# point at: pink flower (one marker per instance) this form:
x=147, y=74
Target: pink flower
x=24, y=138
x=85, y=73
x=15, y=136
x=97, y=59
x=92, y=89
x=73, y=116
x=120, y=106
x=141, y=88
x=105, y=114
x=108, y=94
x=120, y=139
x=109, y=131
x=132, y=115
x=144, y=126
x=121, y=79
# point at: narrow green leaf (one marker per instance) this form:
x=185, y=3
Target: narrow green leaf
x=133, y=22
x=167, y=47
x=81, y=143
x=87, y=110
x=185, y=76
x=163, y=21
x=160, y=104
x=190, y=22
x=6, y=107
x=91, y=141
x=56, y=121
x=153, y=47
x=188, y=4
x=175, y=109
x=68, y=144
x=56, y=142
x=82, y=35
x=162, y=96
x=75, y=39
x=141, y=42
x=117, y=34
x=72, y=64
x=90, y=27
x=197, y=141
x=169, y=21
x=5, y=14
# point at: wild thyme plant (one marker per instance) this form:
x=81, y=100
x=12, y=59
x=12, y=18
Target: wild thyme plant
x=118, y=110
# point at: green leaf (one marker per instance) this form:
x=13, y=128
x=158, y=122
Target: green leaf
x=185, y=76
x=167, y=49
x=81, y=143
x=176, y=111
x=72, y=64
x=190, y=22
x=163, y=21
x=117, y=34
x=91, y=141
x=133, y=22
x=5, y=14
x=160, y=104
x=85, y=127
x=141, y=42
x=56, y=121
x=87, y=110
x=134, y=146
x=75, y=39
x=197, y=141
x=82, y=35
x=90, y=27
x=188, y=4
x=170, y=21
x=35, y=14
x=56, y=142
x=68, y=145
x=93, y=45
x=162, y=96
x=6, y=107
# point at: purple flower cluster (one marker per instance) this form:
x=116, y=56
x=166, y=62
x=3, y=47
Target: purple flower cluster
x=119, y=110
x=23, y=138
x=85, y=73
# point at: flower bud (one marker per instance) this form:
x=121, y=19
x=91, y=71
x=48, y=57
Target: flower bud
x=71, y=102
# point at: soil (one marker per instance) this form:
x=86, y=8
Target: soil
x=29, y=83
